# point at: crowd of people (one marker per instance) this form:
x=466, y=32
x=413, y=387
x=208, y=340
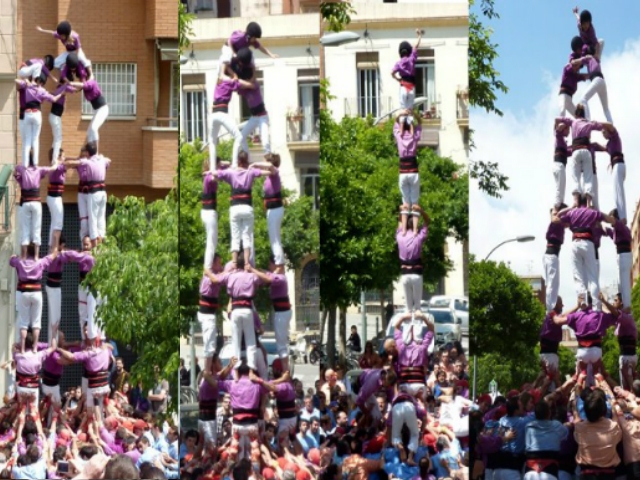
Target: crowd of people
x=107, y=426
x=588, y=426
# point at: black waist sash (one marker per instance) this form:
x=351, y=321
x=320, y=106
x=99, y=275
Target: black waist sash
x=623, y=247
x=55, y=189
x=553, y=246
x=220, y=106
x=208, y=305
x=57, y=109
x=49, y=379
x=281, y=304
x=273, y=201
x=595, y=75
x=590, y=341
x=83, y=275
x=83, y=187
x=241, y=196
x=548, y=346
x=210, y=201
x=580, y=143
x=98, y=102
x=258, y=111
x=413, y=266
x=509, y=461
x=627, y=345
x=98, y=379
x=567, y=89
x=408, y=165
x=241, y=302
x=54, y=279
x=560, y=155
x=616, y=157
x=409, y=79
x=30, y=286
x=96, y=186
x=207, y=410
x=245, y=416
x=29, y=195
x=33, y=105
x=286, y=408
x=411, y=375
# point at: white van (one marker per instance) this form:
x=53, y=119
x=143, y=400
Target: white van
x=459, y=305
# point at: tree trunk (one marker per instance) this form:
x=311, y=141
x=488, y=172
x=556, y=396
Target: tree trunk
x=331, y=336
x=323, y=322
x=342, y=333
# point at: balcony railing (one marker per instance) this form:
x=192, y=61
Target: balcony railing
x=363, y=106
x=462, y=104
x=301, y=128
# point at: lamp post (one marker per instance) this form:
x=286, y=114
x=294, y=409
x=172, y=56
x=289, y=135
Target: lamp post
x=520, y=239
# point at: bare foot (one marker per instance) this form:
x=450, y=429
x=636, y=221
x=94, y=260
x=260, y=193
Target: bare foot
x=411, y=462
x=403, y=453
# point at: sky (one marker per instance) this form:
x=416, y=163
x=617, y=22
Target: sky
x=534, y=39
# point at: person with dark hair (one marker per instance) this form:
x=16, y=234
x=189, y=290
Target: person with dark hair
x=627, y=334
x=209, y=210
x=511, y=456
x=121, y=467
x=57, y=175
x=561, y=153
x=597, y=85
x=413, y=352
x=588, y=33
x=550, y=338
x=404, y=71
x=34, y=95
x=274, y=205
x=410, y=244
x=93, y=95
x=259, y=118
x=597, y=439
x=33, y=68
x=571, y=76
x=621, y=236
x=239, y=40
x=85, y=262
x=407, y=137
x=279, y=294
x=551, y=259
x=370, y=381
x=618, y=167
x=70, y=41
x=405, y=411
x=207, y=310
x=543, y=439
x=149, y=454
x=208, y=397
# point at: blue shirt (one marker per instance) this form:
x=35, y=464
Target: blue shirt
x=35, y=471
x=307, y=442
x=519, y=424
x=149, y=455
x=544, y=435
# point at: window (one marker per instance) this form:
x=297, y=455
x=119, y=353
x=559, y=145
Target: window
x=368, y=84
x=118, y=84
x=174, y=107
x=195, y=115
x=426, y=78
x=311, y=185
x=309, y=95
x=460, y=305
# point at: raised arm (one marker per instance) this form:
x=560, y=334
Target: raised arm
x=560, y=319
x=423, y=214
x=262, y=276
x=404, y=317
x=613, y=310
x=264, y=50
x=50, y=32
x=419, y=33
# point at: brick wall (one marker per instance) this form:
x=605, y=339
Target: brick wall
x=162, y=19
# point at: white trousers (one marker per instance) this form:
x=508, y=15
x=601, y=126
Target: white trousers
x=99, y=117
x=56, y=130
x=242, y=324
x=53, y=392
x=98, y=214
x=625, y=261
x=54, y=301
x=241, y=220
x=594, y=192
x=96, y=395
x=599, y=86
x=210, y=220
x=274, y=224
x=410, y=188
x=582, y=171
x=551, y=360
x=225, y=57
x=61, y=60
x=82, y=308
x=560, y=178
x=374, y=409
x=628, y=363
x=589, y=355
x=18, y=314
x=31, y=136
x=31, y=219
x=287, y=425
x=407, y=97
x=619, y=176
x=281, y=322
x=566, y=105
x=56, y=209
x=261, y=122
x=34, y=70
x=83, y=212
x=412, y=284
x=585, y=268
x=221, y=119
x=551, y=279
x=539, y=476
x=245, y=432
x=210, y=430
x=404, y=414
x=30, y=310
x=209, y=332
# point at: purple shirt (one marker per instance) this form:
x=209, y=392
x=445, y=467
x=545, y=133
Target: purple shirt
x=224, y=90
x=29, y=177
x=30, y=269
x=414, y=354
x=588, y=36
x=96, y=168
x=63, y=87
x=597, y=234
x=209, y=184
x=51, y=364
x=91, y=90
x=58, y=174
x=272, y=185
x=285, y=392
x=581, y=217
x=590, y=323
x=580, y=127
x=620, y=233
x=570, y=78
x=406, y=66
x=550, y=330
x=35, y=93
x=253, y=96
x=407, y=144
x=94, y=360
x=561, y=142
x=278, y=287
x=133, y=455
x=410, y=246
x=614, y=145
x=240, y=39
x=110, y=440
x=29, y=363
x=555, y=233
x=369, y=384
x=81, y=72
x=208, y=288
x=240, y=283
x=244, y=393
x=72, y=43
x=241, y=178
x=626, y=326
x=593, y=65
x=84, y=260
x=207, y=391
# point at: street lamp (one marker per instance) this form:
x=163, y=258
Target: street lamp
x=335, y=39
x=520, y=239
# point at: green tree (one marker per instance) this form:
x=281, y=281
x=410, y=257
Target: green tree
x=359, y=187
x=299, y=230
x=184, y=26
x=336, y=14
x=484, y=85
x=635, y=301
x=506, y=315
x=136, y=272
x=508, y=373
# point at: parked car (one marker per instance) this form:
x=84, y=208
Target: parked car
x=269, y=344
x=459, y=305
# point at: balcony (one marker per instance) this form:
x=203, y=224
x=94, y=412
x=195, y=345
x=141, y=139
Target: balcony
x=462, y=104
x=303, y=132
x=431, y=115
x=159, y=152
x=7, y=200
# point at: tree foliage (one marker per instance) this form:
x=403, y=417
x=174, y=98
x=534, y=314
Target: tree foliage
x=299, y=230
x=184, y=26
x=506, y=315
x=337, y=15
x=136, y=271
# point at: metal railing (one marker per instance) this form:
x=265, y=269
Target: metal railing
x=308, y=315
x=301, y=128
x=462, y=104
